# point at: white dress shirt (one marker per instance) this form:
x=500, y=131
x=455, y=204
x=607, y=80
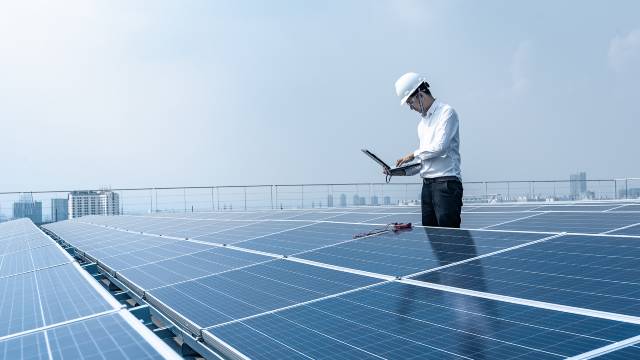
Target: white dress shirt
x=439, y=150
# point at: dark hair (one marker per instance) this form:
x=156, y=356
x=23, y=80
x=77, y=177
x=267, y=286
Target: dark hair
x=424, y=87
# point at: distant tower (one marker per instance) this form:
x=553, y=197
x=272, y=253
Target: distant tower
x=578, y=184
x=25, y=207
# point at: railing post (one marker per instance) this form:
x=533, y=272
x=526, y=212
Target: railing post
x=533, y=190
x=245, y=198
x=150, y=201
x=271, y=194
x=218, y=196
x=213, y=204
x=276, y=196
x=302, y=196
x=508, y=191
x=626, y=188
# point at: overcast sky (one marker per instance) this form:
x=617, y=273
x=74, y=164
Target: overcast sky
x=173, y=93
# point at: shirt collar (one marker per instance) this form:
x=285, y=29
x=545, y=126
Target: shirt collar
x=434, y=106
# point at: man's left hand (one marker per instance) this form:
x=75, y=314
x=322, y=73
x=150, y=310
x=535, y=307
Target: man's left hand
x=405, y=159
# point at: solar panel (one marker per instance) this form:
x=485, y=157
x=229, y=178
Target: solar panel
x=633, y=230
x=592, y=223
x=306, y=238
x=360, y=217
x=65, y=294
x=482, y=220
x=19, y=304
x=251, y=231
x=286, y=308
x=417, y=250
x=595, y=272
x=627, y=207
x=152, y=254
x=54, y=309
x=187, y=267
x=106, y=337
x=236, y=294
x=629, y=352
x=408, y=322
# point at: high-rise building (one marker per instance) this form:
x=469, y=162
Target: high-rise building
x=387, y=200
x=59, y=209
x=356, y=200
x=374, y=200
x=330, y=200
x=343, y=200
x=578, y=184
x=25, y=207
x=103, y=202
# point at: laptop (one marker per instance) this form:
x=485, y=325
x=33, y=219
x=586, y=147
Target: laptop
x=401, y=170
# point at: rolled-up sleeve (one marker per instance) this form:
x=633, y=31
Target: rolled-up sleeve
x=446, y=129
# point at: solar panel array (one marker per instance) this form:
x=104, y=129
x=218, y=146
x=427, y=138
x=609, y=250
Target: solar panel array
x=50, y=308
x=516, y=282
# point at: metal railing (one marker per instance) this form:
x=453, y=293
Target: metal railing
x=308, y=196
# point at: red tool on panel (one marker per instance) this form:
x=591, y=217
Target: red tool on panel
x=395, y=227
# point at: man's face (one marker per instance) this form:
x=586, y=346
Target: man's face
x=414, y=101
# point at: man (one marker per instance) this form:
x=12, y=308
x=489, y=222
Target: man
x=439, y=152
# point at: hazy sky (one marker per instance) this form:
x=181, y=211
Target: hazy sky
x=172, y=93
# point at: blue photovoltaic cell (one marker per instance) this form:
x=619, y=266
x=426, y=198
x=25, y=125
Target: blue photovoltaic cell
x=358, y=218
x=306, y=238
x=311, y=215
x=254, y=230
x=417, y=250
x=124, y=247
x=592, y=223
x=253, y=290
x=633, y=230
x=27, y=347
x=16, y=263
x=48, y=256
x=66, y=294
x=415, y=219
x=632, y=207
x=188, y=267
x=576, y=207
x=627, y=353
x=201, y=228
x=103, y=337
x=407, y=322
x=595, y=272
x=503, y=208
x=148, y=255
x=481, y=220
x=19, y=306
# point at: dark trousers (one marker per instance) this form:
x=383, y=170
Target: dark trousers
x=441, y=202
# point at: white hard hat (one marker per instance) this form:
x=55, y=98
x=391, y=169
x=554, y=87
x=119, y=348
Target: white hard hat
x=407, y=84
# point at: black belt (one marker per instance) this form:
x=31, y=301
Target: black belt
x=439, y=179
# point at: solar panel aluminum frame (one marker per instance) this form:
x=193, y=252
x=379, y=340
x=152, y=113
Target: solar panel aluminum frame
x=179, y=319
x=160, y=346
x=220, y=345
x=106, y=268
x=178, y=331
x=131, y=285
